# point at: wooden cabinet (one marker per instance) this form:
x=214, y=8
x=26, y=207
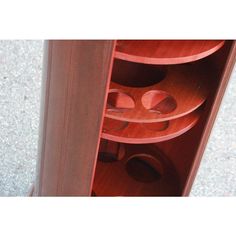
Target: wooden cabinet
x=128, y=117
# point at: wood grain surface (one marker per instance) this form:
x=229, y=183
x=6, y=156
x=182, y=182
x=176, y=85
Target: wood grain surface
x=113, y=179
x=75, y=86
x=224, y=62
x=186, y=151
x=165, y=52
x=139, y=133
x=186, y=84
x=146, y=104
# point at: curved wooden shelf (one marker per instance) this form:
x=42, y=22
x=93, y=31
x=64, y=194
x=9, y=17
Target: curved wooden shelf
x=112, y=178
x=165, y=52
x=182, y=91
x=138, y=133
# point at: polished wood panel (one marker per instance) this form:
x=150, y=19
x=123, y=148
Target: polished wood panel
x=186, y=151
x=75, y=92
x=164, y=52
x=226, y=63
x=139, y=133
x=114, y=179
x=182, y=90
x=72, y=118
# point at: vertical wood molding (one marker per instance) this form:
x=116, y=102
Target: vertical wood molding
x=75, y=83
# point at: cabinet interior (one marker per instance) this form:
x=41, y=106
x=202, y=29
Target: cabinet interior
x=157, y=109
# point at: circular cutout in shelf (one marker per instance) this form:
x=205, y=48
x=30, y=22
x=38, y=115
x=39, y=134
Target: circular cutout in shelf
x=119, y=101
x=144, y=168
x=183, y=90
x=133, y=75
x=159, y=102
x=114, y=180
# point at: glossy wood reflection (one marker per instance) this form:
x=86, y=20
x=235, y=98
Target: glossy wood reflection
x=182, y=90
x=116, y=179
x=149, y=132
x=128, y=117
x=165, y=52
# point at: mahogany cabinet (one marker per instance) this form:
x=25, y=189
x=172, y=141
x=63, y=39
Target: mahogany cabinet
x=128, y=117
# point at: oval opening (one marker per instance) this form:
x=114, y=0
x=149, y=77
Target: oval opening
x=159, y=102
x=119, y=101
x=137, y=75
x=144, y=168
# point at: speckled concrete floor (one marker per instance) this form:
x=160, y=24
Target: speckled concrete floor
x=217, y=173
x=20, y=81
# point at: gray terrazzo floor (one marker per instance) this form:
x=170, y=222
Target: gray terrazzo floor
x=20, y=82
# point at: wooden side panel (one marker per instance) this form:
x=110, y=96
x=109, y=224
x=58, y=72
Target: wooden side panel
x=75, y=88
x=212, y=116
x=186, y=150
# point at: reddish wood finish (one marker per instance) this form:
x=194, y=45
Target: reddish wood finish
x=76, y=85
x=116, y=150
x=186, y=150
x=112, y=179
x=182, y=91
x=228, y=64
x=72, y=118
x=164, y=52
x=139, y=133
